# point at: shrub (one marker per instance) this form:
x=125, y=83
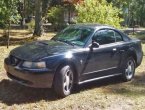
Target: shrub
x=55, y=16
x=31, y=25
x=98, y=11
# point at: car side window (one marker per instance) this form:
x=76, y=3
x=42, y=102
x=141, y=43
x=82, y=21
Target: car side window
x=104, y=37
x=118, y=37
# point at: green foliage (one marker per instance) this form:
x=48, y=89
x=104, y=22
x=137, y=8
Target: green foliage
x=45, y=6
x=31, y=25
x=8, y=12
x=137, y=12
x=55, y=15
x=133, y=11
x=93, y=11
x=119, y=3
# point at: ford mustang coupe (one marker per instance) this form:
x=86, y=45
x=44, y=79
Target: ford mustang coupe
x=79, y=54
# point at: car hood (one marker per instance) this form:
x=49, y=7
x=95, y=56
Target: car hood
x=40, y=49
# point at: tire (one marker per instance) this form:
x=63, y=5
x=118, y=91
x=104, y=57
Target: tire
x=63, y=82
x=128, y=69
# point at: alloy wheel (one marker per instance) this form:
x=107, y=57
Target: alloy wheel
x=68, y=81
x=130, y=68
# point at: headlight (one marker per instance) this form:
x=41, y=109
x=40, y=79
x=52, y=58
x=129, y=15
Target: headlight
x=34, y=65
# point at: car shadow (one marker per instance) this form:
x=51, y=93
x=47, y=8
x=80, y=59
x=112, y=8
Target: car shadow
x=13, y=93
x=98, y=84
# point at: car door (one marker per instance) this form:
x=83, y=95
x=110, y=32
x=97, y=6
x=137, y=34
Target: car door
x=104, y=60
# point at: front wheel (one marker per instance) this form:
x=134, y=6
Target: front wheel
x=129, y=69
x=63, y=82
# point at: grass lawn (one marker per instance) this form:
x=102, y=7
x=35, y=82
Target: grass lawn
x=108, y=94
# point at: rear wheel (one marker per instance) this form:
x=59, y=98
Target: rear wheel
x=63, y=82
x=129, y=69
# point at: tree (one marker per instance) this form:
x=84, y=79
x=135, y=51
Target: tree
x=45, y=6
x=40, y=10
x=38, y=18
x=137, y=12
x=92, y=11
x=26, y=10
x=55, y=16
x=8, y=14
x=133, y=11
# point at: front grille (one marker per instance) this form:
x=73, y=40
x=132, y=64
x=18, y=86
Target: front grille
x=14, y=61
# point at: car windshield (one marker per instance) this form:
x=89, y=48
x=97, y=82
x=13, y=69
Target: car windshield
x=74, y=35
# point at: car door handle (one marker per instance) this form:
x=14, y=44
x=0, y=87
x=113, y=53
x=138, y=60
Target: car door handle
x=114, y=49
x=122, y=50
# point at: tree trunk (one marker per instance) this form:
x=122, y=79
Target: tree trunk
x=8, y=35
x=45, y=6
x=24, y=15
x=38, y=18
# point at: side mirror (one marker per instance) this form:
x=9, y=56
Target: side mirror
x=94, y=45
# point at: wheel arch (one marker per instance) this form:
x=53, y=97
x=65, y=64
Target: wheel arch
x=132, y=53
x=70, y=63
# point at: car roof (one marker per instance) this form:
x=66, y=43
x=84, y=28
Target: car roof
x=93, y=25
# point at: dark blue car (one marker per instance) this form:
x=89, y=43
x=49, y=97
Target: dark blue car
x=77, y=55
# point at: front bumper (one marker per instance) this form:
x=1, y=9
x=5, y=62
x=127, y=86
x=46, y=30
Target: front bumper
x=31, y=78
